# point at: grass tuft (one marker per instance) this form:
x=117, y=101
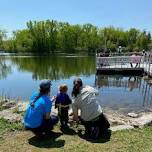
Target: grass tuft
x=6, y=126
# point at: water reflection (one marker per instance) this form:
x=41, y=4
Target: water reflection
x=117, y=81
x=124, y=93
x=27, y=71
x=5, y=68
x=54, y=67
x=132, y=83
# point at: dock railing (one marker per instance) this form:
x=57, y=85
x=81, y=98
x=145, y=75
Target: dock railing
x=119, y=61
x=125, y=61
x=148, y=63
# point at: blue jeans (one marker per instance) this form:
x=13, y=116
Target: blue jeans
x=46, y=126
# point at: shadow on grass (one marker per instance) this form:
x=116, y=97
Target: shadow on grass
x=102, y=139
x=68, y=131
x=48, y=141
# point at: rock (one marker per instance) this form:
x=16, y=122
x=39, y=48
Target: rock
x=150, y=82
x=8, y=105
x=116, y=118
x=116, y=121
x=21, y=106
x=146, y=77
x=10, y=117
x=3, y=101
x=145, y=119
x=121, y=127
x=12, y=113
x=133, y=115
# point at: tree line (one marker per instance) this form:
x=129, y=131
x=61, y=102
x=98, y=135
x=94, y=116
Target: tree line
x=51, y=36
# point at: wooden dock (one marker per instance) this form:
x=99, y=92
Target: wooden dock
x=126, y=65
x=123, y=71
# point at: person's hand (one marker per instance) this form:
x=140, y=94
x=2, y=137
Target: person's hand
x=71, y=114
x=53, y=98
x=75, y=118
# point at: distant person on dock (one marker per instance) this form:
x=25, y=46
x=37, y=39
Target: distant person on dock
x=62, y=103
x=135, y=58
x=92, y=117
x=144, y=52
x=107, y=53
x=37, y=116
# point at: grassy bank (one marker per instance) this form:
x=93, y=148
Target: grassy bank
x=8, y=127
x=136, y=140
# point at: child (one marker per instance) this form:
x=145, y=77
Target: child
x=62, y=103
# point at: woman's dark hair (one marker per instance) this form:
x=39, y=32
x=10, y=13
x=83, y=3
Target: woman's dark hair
x=76, y=90
x=79, y=81
x=41, y=92
x=44, y=90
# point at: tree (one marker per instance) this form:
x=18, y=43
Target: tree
x=2, y=36
x=52, y=36
x=22, y=40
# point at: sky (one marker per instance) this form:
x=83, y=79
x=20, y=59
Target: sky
x=124, y=14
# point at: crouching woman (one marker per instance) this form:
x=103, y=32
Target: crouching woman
x=37, y=116
x=91, y=115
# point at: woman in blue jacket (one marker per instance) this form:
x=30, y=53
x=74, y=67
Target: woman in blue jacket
x=37, y=116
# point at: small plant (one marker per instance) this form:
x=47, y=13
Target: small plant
x=17, y=111
x=7, y=126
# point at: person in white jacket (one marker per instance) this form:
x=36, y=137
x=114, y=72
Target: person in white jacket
x=91, y=115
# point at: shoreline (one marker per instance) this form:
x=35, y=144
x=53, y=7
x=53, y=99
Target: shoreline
x=13, y=111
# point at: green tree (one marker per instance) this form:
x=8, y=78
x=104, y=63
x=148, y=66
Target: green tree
x=22, y=40
x=2, y=36
x=52, y=36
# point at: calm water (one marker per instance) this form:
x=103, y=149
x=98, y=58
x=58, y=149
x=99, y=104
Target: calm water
x=20, y=76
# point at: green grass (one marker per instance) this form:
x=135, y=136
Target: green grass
x=1, y=107
x=5, y=126
x=136, y=140
x=19, y=112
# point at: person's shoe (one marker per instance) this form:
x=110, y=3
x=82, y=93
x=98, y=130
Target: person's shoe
x=67, y=125
x=106, y=133
x=64, y=126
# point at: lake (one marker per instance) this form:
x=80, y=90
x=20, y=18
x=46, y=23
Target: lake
x=21, y=75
